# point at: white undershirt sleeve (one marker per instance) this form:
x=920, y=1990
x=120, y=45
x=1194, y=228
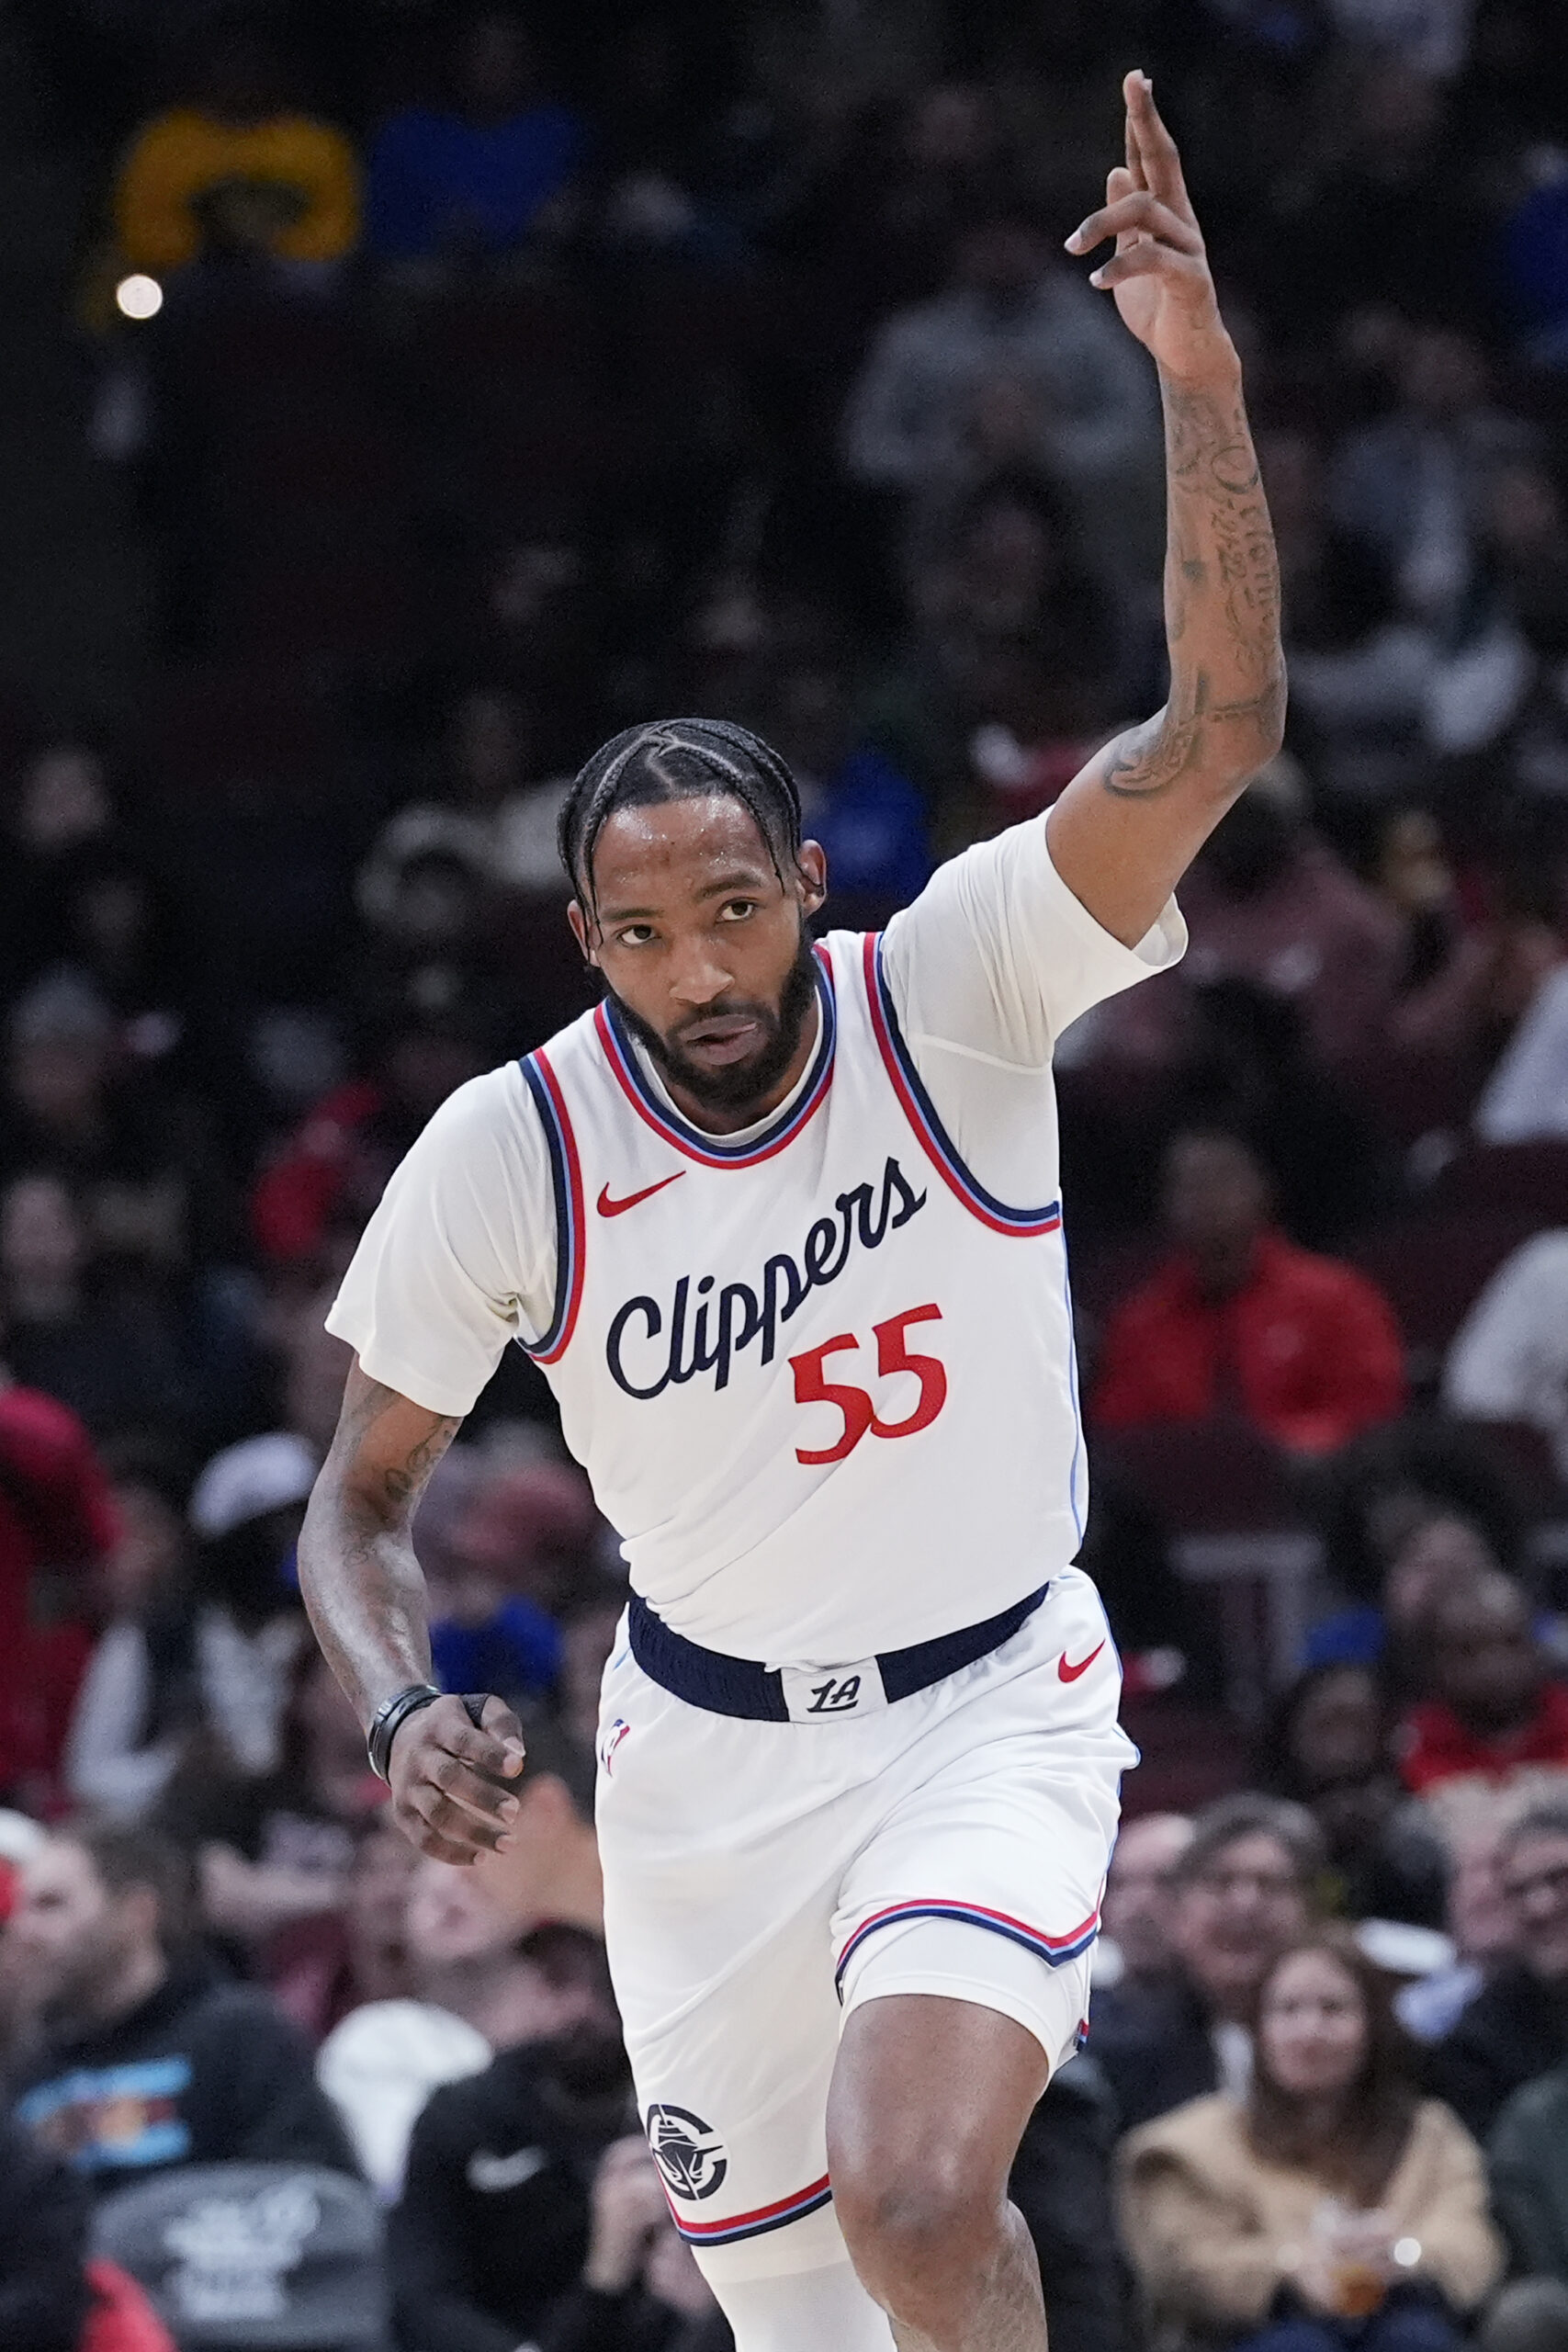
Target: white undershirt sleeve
x=996, y=957
x=460, y=1255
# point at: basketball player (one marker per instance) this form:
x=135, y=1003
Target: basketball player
x=779, y=1221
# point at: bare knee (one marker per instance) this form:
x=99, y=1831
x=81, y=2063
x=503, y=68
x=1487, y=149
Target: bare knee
x=925, y=2236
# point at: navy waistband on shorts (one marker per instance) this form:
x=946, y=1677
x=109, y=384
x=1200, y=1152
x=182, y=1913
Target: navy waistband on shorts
x=738, y=1686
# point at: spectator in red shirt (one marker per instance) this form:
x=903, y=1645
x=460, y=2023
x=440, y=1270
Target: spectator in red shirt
x=55, y=1512
x=1239, y=1319
x=1492, y=1717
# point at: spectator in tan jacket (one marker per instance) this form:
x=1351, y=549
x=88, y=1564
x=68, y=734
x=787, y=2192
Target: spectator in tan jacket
x=1332, y=2206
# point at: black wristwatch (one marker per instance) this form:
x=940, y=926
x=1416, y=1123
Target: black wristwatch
x=389, y=1718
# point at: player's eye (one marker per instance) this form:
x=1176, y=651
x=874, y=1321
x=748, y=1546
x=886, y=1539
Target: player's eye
x=736, y=910
x=634, y=934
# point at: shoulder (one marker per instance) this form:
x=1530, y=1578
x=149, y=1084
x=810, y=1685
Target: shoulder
x=1152, y=1300
x=32, y=1423
x=242, y=2018
x=1537, y=2112
x=1204, y=2135
x=493, y=1115
x=1542, y=1259
x=1504, y=2003
x=1437, y=2129
x=1328, y=1282
x=499, y=2094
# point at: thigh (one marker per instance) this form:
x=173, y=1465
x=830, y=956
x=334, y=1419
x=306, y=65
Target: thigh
x=982, y=1880
x=722, y=1849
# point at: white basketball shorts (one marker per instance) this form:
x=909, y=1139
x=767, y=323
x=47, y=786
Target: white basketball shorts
x=761, y=1878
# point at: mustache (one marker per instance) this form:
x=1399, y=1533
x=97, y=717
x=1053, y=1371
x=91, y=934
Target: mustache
x=744, y=1083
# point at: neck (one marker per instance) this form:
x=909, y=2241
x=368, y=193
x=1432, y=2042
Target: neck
x=41, y=1298
x=137, y=1979
x=731, y=1121
x=471, y=1989
x=1225, y=1267
x=1321, y=2118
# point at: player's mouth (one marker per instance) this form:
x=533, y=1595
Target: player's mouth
x=727, y=1038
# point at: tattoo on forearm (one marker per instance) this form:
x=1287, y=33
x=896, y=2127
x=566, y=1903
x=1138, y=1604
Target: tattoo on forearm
x=366, y=1592
x=1221, y=601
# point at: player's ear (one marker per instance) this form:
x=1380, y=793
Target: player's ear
x=811, y=865
x=577, y=919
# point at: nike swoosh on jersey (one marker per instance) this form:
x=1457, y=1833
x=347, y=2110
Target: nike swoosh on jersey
x=607, y=1207
x=1067, y=1673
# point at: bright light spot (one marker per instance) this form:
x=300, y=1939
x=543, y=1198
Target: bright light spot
x=1407, y=2252
x=139, y=296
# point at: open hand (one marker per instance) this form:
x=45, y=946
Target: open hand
x=1159, y=272
x=449, y=1780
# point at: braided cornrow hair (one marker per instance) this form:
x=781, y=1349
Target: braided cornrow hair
x=678, y=759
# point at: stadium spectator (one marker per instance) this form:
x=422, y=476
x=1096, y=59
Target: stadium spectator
x=55, y=1513
x=508, y=1562
x=122, y=1347
x=640, y=2288
x=867, y=814
x=1527, y=2165
x=44, y=2298
x=236, y=171
x=1526, y=1098
x=1327, y=2206
x=1381, y=146
x=1010, y=315
x=1138, y=1915
x=493, y=2224
x=1359, y=668
x=1377, y=1502
x=1516, y=2028
x=144, y=2056
x=1239, y=1319
x=1268, y=902
x=60, y=809
x=276, y=1847
x=1414, y=483
x=1508, y=1361
x=1245, y=1885
x=319, y=1968
x=137, y=1707
x=476, y=1981
x=473, y=178
x=1490, y=1718
x=1330, y=1748
x=337, y=1163
x=1481, y=1927
x=247, y=1629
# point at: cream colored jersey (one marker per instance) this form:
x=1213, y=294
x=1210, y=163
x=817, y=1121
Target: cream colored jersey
x=820, y=1375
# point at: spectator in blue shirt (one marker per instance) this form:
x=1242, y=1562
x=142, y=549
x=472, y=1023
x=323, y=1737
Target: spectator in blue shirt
x=473, y=176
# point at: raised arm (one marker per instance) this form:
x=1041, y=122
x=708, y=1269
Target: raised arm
x=1127, y=827
x=366, y=1594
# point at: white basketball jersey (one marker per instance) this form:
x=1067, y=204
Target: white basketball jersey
x=822, y=1381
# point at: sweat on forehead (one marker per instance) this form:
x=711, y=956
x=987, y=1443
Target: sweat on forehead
x=673, y=759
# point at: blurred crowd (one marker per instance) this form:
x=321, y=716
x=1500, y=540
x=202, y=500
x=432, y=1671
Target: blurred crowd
x=477, y=382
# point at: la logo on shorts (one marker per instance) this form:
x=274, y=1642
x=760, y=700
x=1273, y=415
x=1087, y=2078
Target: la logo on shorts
x=689, y=2156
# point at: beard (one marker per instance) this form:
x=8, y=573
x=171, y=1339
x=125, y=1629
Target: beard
x=741, y=1084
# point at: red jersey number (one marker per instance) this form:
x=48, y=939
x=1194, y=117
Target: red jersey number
x=893, y=1354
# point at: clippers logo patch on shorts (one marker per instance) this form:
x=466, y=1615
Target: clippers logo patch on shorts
x=689, y=2157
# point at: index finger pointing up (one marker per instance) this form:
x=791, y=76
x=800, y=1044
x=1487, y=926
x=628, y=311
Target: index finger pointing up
x=1161, y=165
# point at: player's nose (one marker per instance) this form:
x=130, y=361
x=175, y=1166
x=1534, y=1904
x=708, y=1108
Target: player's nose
x=697, y=977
